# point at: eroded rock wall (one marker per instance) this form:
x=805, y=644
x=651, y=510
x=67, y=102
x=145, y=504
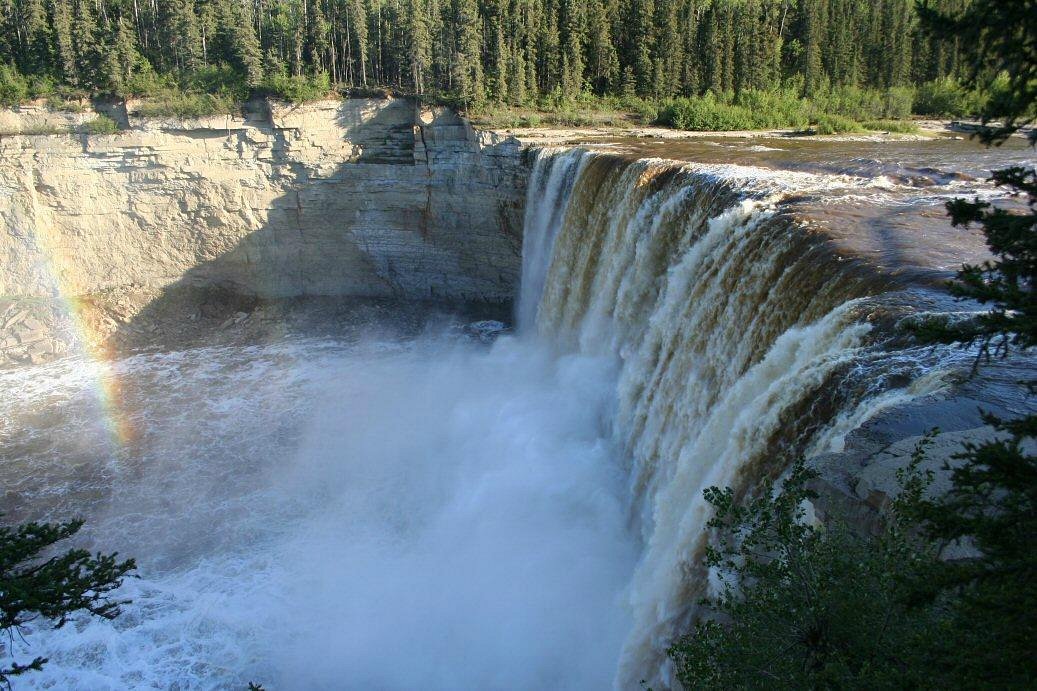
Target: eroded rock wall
x=361, y=197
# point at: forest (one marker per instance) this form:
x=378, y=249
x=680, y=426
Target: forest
x=475, y=53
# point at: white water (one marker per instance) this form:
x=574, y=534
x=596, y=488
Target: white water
x=429, y=515
x=727, y=323
x=438, y=514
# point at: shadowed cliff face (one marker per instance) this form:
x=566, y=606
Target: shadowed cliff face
x=356, y=198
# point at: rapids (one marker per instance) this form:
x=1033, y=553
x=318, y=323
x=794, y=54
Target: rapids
x=433, y=509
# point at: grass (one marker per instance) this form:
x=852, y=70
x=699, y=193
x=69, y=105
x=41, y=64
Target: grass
x=585, y=110
x=836, y=124
x=102, y=124
x=186, y=105
x=895, y=126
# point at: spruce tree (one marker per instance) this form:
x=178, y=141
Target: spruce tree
x=36, y=584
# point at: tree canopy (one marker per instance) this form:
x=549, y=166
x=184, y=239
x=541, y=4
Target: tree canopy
x=501, y=51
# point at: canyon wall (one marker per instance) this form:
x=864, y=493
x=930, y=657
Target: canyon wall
x=359, y=197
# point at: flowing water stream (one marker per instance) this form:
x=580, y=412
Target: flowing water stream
x=424, y=508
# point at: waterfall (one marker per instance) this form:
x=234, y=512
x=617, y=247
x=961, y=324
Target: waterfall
x=737, y=331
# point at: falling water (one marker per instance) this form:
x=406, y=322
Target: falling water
x=738, y=335
x=423, y=510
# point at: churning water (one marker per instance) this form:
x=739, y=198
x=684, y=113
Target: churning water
x=427, y=514
x=436, y=512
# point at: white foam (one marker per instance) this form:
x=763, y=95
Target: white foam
x=437, y=516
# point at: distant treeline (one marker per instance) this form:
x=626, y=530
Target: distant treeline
x=507, y=52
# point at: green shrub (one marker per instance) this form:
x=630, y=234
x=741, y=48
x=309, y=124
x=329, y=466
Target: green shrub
x=836, y=124
x=775, y=109
x=531, y=120
x=149, y=84
x=749, y=110
x=69, y=104
x=801, y=606
x=704, y=114
x=102, y=124
x=865, y=104
x=298, y=89
x=185, y=105
x=946, y=98
x=646, y=111
x=570, y=118
x=899, y=102
x=898, y=126
x=215, y=79
x=14, y=88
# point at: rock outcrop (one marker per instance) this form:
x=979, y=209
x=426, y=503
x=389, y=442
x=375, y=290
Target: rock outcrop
x=360, y=197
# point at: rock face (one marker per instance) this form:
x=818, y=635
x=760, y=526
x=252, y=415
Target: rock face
x=361, y=197
x=858, y=484
x=358, y=197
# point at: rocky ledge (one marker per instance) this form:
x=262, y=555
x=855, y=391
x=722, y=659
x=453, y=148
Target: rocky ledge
x=369, y=198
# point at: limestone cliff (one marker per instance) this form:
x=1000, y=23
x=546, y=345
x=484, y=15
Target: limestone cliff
x=359, y=197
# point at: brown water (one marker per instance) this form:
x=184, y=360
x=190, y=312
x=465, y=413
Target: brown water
x=882, y=201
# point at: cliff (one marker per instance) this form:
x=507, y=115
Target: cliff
x=358, y=198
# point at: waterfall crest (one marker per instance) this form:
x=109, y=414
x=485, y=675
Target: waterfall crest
x=731, y=322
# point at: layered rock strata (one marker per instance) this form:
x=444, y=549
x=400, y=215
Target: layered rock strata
x=375, y=198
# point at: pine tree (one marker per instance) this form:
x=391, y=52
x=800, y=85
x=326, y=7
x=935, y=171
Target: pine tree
x=468, y=74
x=603, y=59
x=573, y=38
x=120, y=59
x=61, y=13
x=84, y=43
x=36, y=586
x=245, y=46
x=420, y=42
x=181, y=36
x=642, y=12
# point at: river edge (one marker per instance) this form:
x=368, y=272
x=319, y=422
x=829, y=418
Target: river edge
x=574, y=136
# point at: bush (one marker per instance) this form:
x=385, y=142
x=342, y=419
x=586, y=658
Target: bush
x=775, y=109
x=14, y=88
x=865, y=104
x=209, y=90
x=899, y=126
x=836, y=124
x=215, y=79
x=185, y=105
x=67, y=101
x=750, y=110
x=946, y=98
x=704, y=114
x=298, y=89
x=102, y=124
x=148, y=84
x=803, y=606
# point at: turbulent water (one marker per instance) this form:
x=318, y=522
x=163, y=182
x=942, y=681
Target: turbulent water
x=426, y=514
x=436, y=511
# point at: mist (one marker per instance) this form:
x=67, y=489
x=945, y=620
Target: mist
x=433, y=514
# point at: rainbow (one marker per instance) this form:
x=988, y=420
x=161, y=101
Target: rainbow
x=59, y=274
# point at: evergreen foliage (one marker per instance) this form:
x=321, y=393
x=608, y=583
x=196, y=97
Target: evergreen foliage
x=805, y=606
x=34, y=585
x=476, y=52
